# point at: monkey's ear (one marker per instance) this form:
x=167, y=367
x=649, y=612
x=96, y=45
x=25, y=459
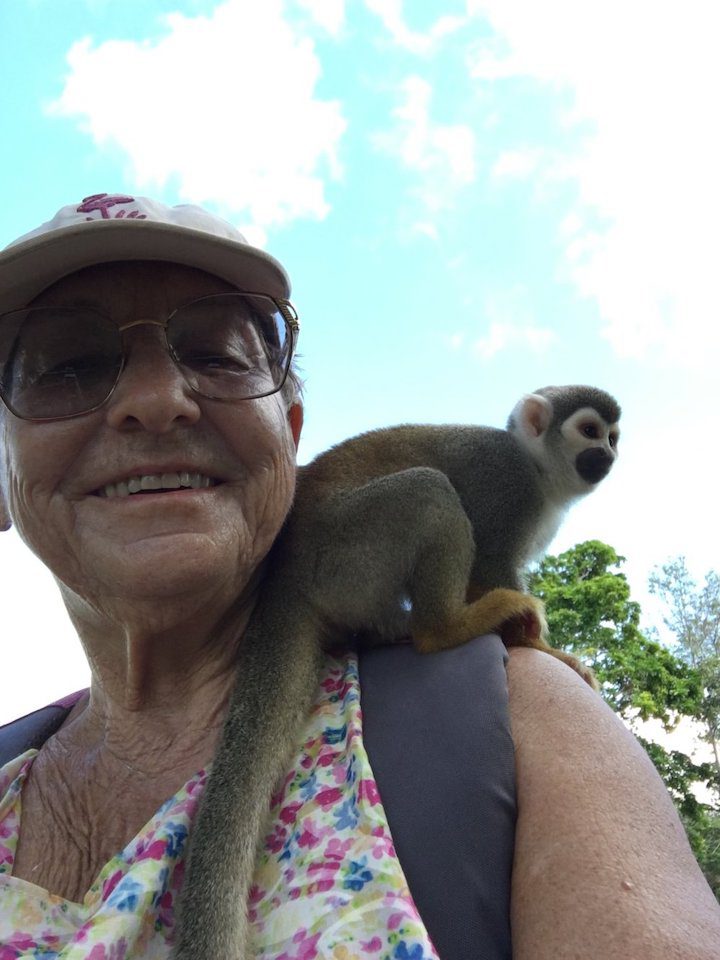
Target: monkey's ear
x=533, y=415
x=295, y=419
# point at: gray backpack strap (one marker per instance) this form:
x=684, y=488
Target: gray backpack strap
x=32, y=730
x=437, y=732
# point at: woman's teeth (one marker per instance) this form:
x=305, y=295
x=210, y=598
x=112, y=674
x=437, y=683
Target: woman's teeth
x=156, y=481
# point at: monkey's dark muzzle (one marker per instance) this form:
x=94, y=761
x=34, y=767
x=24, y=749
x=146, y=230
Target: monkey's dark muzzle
x=593, y=465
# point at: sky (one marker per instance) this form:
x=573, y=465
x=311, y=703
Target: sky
x=473, y=198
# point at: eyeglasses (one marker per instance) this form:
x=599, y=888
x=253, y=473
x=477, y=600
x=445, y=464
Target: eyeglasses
x=62, y=362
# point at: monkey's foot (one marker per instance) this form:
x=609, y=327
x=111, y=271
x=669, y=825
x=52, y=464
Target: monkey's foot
x=517, y=617
x=529, y=629
x=524, y=623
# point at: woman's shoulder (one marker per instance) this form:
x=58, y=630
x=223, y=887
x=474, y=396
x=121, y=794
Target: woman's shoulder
x=602, y=864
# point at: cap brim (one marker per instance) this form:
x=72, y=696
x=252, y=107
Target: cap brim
x=27, y=268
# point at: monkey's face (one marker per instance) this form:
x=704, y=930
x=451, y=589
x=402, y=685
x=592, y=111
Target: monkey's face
x=592, y=444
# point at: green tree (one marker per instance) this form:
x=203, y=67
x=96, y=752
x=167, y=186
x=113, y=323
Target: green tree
x=591, y=614
x=693, y=617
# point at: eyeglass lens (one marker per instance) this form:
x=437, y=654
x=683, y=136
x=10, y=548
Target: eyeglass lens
x=60, y=362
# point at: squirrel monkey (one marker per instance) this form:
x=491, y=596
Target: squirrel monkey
x=420, y=531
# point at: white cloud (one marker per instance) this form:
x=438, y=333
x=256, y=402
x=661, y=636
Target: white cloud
x=442, y=154
x=225, y=104
x=516, y=164
x=329, y=14
x=501, y=336
x=646, y=76
x=390, y=13
x=511, y=323
x=425, y=229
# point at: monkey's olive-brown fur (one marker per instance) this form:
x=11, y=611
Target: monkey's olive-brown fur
x=412, y=531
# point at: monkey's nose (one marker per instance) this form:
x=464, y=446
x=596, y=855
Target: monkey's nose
x=594, y=464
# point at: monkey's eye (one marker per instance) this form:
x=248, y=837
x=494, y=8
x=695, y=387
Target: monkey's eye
x=590, y=430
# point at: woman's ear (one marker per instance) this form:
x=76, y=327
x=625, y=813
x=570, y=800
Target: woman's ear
x=295, y=418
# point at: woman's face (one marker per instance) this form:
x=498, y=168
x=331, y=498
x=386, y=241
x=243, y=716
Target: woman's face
x=154, y=545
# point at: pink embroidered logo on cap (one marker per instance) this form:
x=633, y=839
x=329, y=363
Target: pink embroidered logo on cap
x=103, y=202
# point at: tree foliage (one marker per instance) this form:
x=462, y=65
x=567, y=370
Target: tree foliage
x=591, y=614
x=693, y=617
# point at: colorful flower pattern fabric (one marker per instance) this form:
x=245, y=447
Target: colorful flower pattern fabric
x=328, y=883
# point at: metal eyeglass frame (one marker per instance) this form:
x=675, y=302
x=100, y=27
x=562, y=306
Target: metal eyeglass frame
x=284, y=307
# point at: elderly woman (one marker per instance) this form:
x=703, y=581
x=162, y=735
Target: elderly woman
x=149, y=430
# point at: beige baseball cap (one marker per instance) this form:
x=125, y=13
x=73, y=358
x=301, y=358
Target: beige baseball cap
x=106, y=227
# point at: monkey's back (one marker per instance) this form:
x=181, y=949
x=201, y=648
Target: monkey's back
x=494, y=476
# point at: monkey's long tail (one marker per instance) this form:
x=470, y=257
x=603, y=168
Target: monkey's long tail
x=278, y=674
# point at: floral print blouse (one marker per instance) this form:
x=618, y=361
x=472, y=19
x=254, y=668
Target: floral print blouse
x=328, y=883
